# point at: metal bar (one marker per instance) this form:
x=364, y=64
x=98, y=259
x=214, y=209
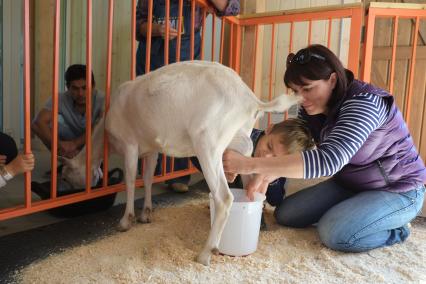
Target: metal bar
x=231, y=45
x=222, y=35
x=368, y=46
x=148, y=38
x=55, y=82
x=213, y=35
x=238, y=49
x=133, y=42
x=256, y=38
x=290, y=50
x=179, y=37
x=310, y=32
x=88, y=96
x=27, y=99
x=192, y=38
x=166, y=38
x=271, y=68
x=412, y=68
x=203, y=33
x=330, y=24
x=108, y=86
x=393, y=60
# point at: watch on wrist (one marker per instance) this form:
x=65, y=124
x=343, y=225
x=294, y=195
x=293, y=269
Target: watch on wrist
x=5, y=174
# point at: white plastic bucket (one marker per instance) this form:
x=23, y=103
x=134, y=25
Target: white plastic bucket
x=241, y=233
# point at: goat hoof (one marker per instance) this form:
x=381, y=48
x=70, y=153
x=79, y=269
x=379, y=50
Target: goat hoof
x=204, y=258
x=125, y=224
x=146, y=216
x=215, y=251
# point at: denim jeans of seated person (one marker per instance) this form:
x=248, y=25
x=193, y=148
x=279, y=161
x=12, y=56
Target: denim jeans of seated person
x=352, y=221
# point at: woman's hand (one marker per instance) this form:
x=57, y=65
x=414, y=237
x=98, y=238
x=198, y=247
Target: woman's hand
x=235, y=163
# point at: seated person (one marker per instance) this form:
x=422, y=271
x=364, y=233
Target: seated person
x=71, y=127
x=71, y=113
x=286, y=137
x=12, y=163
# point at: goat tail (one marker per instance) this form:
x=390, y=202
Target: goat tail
x=279, y=104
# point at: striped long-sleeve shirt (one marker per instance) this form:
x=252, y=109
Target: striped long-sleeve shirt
x=358, y=118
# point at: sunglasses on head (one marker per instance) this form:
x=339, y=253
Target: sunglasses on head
x=302, y=57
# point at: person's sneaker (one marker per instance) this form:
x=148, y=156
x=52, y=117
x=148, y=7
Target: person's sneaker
x=179, y=187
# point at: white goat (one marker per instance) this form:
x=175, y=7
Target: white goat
x=183, y=109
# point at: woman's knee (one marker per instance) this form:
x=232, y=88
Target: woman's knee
x=336, y=234
x=287, y=215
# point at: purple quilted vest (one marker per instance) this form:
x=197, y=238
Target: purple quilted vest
x=388, y=160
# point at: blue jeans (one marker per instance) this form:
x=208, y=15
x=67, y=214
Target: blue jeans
x=352, y=221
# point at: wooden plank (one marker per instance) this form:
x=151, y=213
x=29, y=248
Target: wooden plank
x=248, y=6
x=382, y=37
x=389, y=5
x=402, y=66
x=299, y=10
x=403, y=52
x=418, y=111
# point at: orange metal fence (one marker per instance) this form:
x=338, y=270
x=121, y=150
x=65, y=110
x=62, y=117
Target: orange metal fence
x=400, y=61
x=237, y=26
x=380, y=11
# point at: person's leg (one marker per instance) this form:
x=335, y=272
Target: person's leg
x=307, y=206
x=179, y=184
x=8, y=147
x=370, y=220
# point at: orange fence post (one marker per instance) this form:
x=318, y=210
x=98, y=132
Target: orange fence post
x=148, y=37
x=108, y=84
x=27, y=103
x=54, y=143
x=412, y=66
x=271, y=68
x=88, y=96
x=394, y=45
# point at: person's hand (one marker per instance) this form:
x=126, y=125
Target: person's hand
x=68, y=149
x=230, y=177
x=160, y=31
x=235, y=163
x=22, y=163
x=2, y=160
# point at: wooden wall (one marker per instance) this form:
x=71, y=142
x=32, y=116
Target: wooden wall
x=381, y=65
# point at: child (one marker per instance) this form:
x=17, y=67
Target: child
x=289, y=136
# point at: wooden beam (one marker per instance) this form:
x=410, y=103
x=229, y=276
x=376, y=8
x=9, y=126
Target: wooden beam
x=298, y=11
x=397, y=5
x=402, y=53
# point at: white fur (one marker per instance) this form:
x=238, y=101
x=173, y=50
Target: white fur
x=184, y=109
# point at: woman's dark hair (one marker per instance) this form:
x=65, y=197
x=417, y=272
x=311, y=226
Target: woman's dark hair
x=76, y=72
x=317, y=62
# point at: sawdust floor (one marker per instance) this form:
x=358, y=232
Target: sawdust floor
x=164, y=252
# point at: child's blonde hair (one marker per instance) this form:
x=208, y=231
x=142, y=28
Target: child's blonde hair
x=295, y=135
